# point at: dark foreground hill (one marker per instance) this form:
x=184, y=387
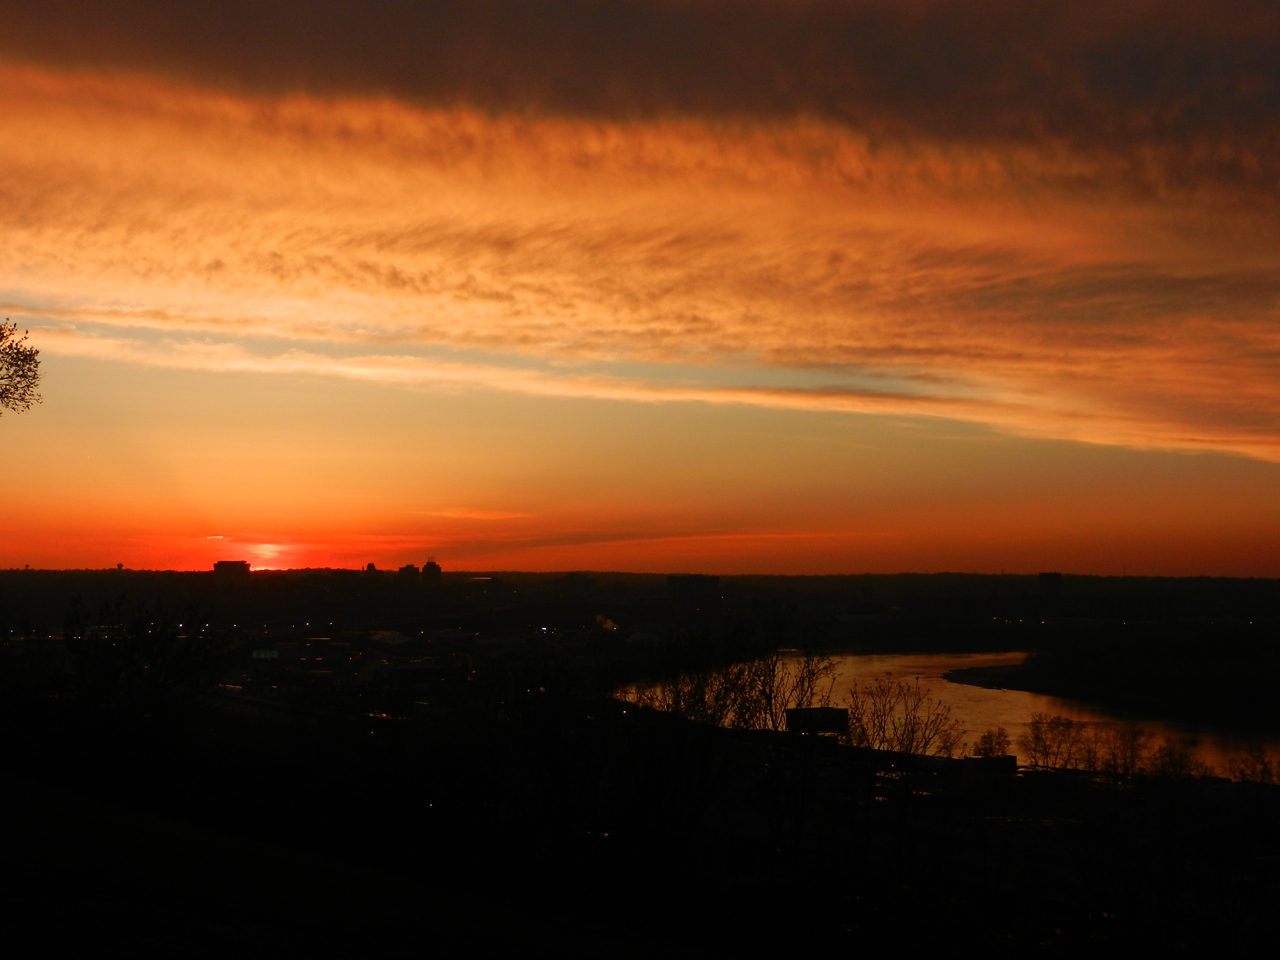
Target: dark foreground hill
x=589, y=825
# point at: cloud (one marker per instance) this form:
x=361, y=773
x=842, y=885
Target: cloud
x=1253, y=432
x=1026, y=284
x=468, y=513
x=1126, y=74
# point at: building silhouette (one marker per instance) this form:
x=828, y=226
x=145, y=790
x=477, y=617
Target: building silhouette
x=431, y=572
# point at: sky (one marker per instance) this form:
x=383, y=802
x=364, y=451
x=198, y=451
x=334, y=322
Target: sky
x=720, y=286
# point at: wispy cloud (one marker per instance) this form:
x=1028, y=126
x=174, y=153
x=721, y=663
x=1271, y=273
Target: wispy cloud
x=1029, y=283
x=469, y=513
x=1032, y=413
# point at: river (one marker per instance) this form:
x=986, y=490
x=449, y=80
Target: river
x=980, y=708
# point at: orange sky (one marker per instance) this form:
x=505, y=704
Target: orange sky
x=331, y=326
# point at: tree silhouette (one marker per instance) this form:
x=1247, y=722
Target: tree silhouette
x=19, y=370
x=994, y=743
x=744, y=696
x=901, y=716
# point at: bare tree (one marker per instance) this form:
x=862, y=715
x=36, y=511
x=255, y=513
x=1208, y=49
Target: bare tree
x=1177, y=758
x=777, y=683
x=745, y=696
x=901, y=716
x=994, y=743
x=19, y=370
x=1123, y=748
x=1054, y=743
x=1117, y=749
x=1253, y=766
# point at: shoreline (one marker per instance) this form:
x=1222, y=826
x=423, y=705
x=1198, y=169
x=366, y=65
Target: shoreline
x=991, y=678
x=999, y=677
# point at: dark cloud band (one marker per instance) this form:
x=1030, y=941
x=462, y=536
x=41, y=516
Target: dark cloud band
x=1111, y=73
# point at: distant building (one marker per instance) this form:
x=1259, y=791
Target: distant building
x=371, y=569
x=231, y=568
x=431, y=572
x=693, y=587
x=408, y=572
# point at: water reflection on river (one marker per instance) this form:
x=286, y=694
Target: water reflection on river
x=979, y=708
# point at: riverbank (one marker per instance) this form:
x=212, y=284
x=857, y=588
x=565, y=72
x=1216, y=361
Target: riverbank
x=1003, y=677
x=987, y=692
x=1218, y=676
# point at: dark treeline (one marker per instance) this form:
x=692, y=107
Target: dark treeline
x=903, y=611
x=1224, y=674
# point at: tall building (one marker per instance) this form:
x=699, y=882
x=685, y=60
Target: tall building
x=431, y=572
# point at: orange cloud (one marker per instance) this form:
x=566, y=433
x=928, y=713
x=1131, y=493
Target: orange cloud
x=471, y=513
x=1025, y=285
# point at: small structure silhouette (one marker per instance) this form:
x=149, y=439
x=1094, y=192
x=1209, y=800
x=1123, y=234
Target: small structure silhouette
x=831, y=721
